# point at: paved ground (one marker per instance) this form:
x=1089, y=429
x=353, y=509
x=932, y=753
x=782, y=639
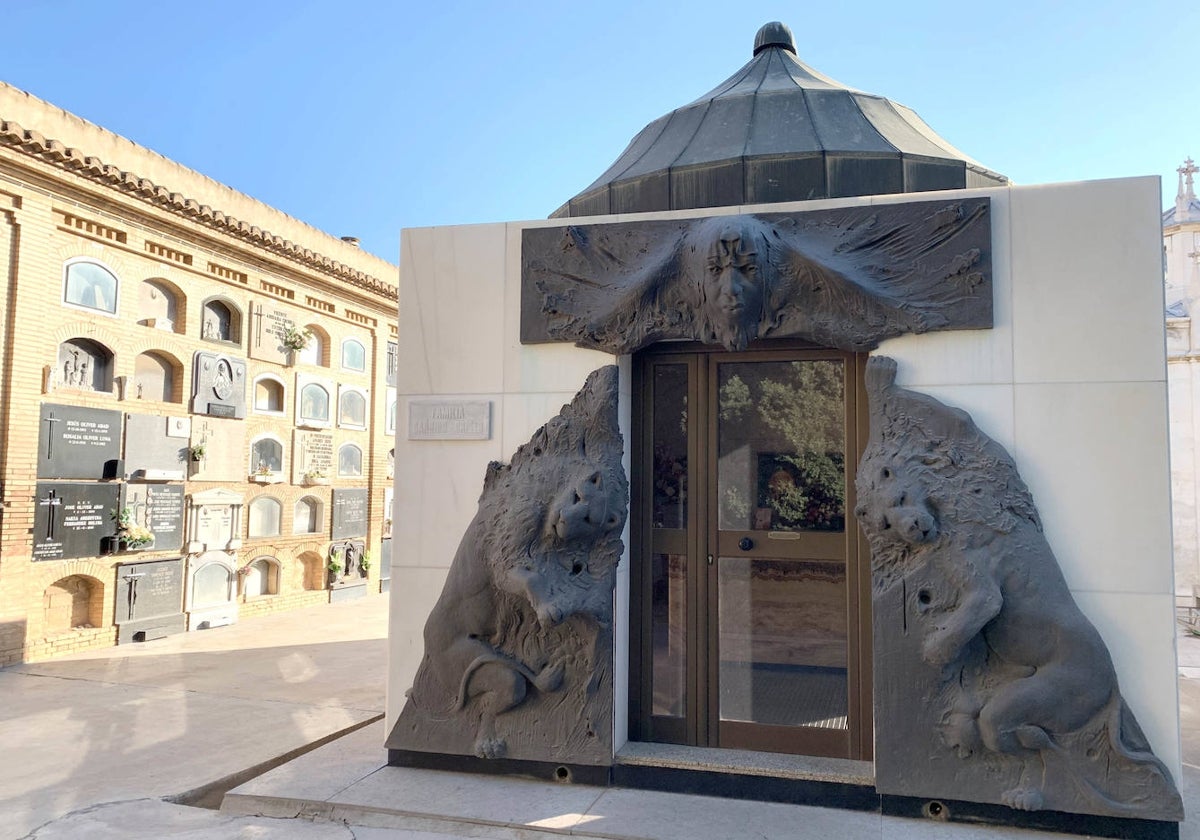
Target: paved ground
x=171, y=716
x=93, y=744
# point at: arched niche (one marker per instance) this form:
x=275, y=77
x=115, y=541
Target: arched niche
x=306, y=516
x=354, y=355
x=349, y=460
x=85, y=365
x=221, y=320
x=159, y=305
x=264, y=517
x=90, y=285
x=269, y=394
x=72, y=602
x=316, y=352
x=262, y=578
x=156, y=376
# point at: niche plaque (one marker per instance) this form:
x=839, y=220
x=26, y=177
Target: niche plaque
x=76, y=442
x=312, y=457
x=349, y=514
x=158, y=508
x=268, y=325
x=218, y=385
x=152, y=451
x=73, y=520
x=450, y=420
x=149, y=600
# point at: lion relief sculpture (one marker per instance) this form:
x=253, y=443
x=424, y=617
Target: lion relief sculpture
x=1020, y=686
x=517, y=648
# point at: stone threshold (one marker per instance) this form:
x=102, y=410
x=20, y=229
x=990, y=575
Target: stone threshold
x=748, y=763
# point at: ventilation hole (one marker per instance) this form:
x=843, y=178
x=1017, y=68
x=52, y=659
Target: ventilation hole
x=562, y=774
x=936, y=810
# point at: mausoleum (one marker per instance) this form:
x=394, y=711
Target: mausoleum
x=770, y=467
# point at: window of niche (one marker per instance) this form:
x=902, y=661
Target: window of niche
x=307, y=516
x=354, y=356
x=158, y=306
x=316, y=352
x=266, y=456
x=86, y=365
x=349, y=460
x=154, y=377
x=221, y=321
x=352, y=409
x=265, y=514
x=90, y=285
x=212, y=585
x=262, y=578
x=314, y=405
x=268, y=395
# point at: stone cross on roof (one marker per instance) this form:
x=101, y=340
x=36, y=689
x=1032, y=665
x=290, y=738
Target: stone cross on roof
x=1185, y=198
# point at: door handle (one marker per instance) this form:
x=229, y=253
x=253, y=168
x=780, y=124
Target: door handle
x=745, y=543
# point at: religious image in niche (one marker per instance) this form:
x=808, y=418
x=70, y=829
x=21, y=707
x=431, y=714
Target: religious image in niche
x=518, y=648
x=845, y=281
x=1002, y=689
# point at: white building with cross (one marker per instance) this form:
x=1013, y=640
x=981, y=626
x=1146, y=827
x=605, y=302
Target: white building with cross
x=1181, y=267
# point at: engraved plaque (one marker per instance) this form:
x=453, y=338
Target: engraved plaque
x=152, y=453
x=159, y=508
x=76, y=442
x=450, y=420
x=349, y=514
x=312, y=454
x=224, y=444
x=267, y=327
x=73, y=520
x=218, y=385
x=149, y=600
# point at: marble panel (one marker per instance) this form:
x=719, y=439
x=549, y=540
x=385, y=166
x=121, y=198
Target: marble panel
x=452, y=301
x=1095, y=458
x=1087, y=282
x=224, y=443
x=78, y=442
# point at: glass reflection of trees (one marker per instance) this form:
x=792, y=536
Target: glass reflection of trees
x=790, y=416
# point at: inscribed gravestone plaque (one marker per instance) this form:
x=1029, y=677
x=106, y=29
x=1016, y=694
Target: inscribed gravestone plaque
x=218, y=385
x=312, y=454
x=75, y=442
x=73, y=520
x=149, y=600
x=153, y=449
x=159, y=508
x=349, y=514
x=267, y=327
x=450, y=420
x=224, y=443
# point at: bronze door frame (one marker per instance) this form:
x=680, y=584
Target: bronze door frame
x=699, y=724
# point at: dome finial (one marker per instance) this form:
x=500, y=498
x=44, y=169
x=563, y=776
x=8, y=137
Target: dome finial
x=774, y=34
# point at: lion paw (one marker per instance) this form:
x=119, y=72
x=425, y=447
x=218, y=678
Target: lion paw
x=549, y=678
x=1023, y=799
x=492, y=747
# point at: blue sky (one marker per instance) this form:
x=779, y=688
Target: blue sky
x=363, y=118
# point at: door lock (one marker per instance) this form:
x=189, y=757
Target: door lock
x=745, y=543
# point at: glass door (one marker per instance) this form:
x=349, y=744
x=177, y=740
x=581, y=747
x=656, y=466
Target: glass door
x=747, y=617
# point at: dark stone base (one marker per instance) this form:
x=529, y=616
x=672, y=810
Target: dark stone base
x=947, y=810
x=349, y=592
x=148, y=629
x=744, y=786
x=546, y=771
x=791, y=791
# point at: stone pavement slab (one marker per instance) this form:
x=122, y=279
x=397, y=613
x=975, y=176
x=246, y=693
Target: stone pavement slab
x=170, y=716
x=347, y=781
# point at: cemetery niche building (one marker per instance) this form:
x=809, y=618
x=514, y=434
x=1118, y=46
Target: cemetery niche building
x=199, y=397
x=878, y=504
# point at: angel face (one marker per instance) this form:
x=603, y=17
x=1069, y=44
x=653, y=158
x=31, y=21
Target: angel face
x=733, y=292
